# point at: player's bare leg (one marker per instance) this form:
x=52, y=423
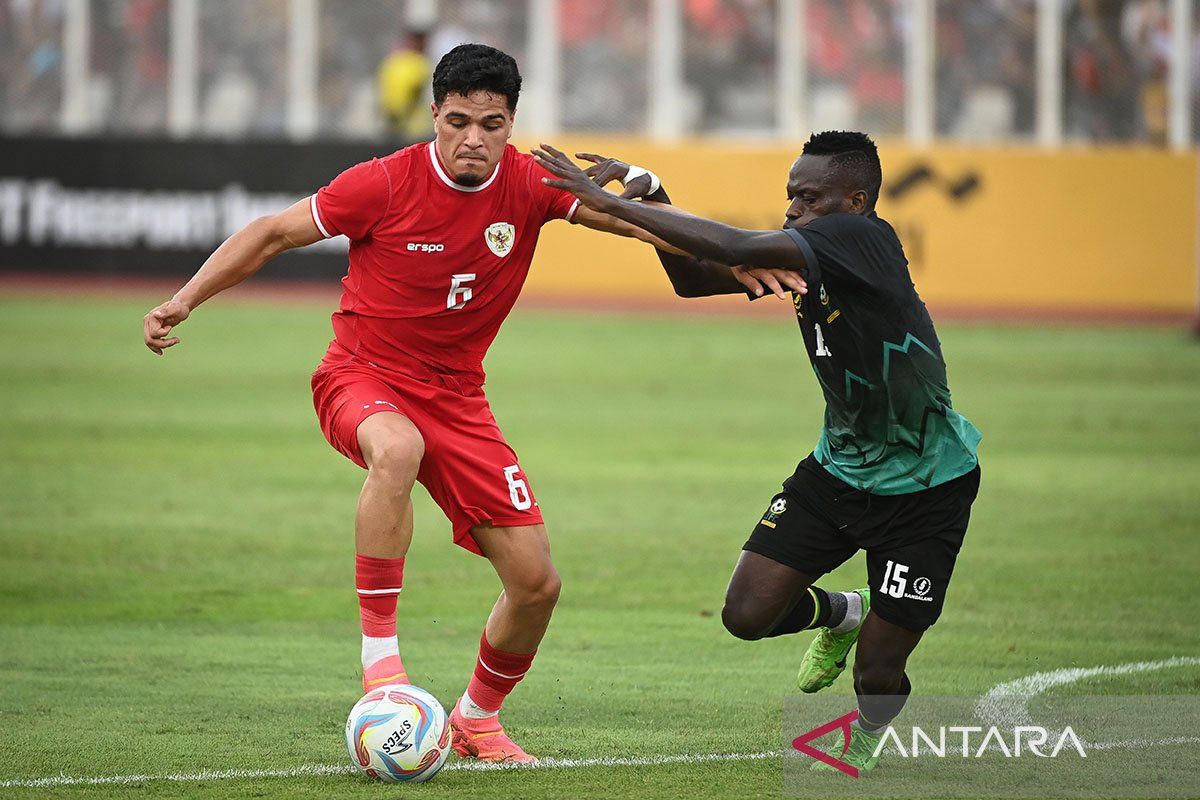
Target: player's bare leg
x=880, y=681
x=521, y=557
x=882, y=687
x=392, y=448
x=766, y=598
x=761, y=594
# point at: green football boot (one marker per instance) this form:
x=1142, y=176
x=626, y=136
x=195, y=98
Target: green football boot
x=860, y=754
x=825, y=658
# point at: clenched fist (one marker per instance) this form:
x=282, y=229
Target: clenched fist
x=159, y=322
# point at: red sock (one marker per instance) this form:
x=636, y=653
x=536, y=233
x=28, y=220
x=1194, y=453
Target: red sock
x=378, y=581
x=496, y=674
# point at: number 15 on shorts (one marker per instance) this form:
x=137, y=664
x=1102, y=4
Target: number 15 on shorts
x=894, y=581
x=518, y=490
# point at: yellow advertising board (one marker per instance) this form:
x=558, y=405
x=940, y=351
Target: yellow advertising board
x=1003, y=230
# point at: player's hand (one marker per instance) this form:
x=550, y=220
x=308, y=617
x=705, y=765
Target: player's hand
x=158, y=324
x=570, y=177
x=605, y=170
x=773, y=279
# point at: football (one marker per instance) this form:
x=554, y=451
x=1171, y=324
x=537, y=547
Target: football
x=398, y=733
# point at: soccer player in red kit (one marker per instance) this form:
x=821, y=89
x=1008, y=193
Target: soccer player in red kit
x=441, y=238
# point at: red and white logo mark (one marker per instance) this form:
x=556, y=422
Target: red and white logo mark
x=842, y=723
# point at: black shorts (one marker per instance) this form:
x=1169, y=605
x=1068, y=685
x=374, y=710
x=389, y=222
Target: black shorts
x=912, y=540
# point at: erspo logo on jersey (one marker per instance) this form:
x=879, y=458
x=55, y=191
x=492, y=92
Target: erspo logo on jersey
x=416, y=247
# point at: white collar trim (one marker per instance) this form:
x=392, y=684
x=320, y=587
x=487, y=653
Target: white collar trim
x=446, y=179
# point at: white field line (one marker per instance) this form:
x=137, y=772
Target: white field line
x=1004, y=704
x=1007, y=704
x=1137, y=744
x=317, y=770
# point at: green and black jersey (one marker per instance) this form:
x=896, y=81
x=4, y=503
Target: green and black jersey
x=889, y=424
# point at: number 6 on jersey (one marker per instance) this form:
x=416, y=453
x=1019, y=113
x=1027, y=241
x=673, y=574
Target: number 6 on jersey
x=459, y=292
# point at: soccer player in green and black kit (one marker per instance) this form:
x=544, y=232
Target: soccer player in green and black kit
x=895, y=471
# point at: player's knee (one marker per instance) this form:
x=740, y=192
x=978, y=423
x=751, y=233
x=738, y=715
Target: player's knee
x=539, y=592
x=549, y=590
x=742, y=621
x=873, y=676
x=397, y=452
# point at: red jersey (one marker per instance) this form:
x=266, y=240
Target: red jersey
x=435, y=267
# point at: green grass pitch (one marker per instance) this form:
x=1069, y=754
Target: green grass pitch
x=176, y=545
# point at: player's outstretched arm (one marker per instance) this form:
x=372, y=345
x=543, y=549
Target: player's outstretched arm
x=606, y=223
x=603, y=172
x=697, y=277
x=238, y=257
x=705, y=238
x=689, y=276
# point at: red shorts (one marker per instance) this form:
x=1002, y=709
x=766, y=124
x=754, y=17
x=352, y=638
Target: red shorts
x=468, y=468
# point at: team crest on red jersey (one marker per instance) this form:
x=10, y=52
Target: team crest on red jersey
x=500, y=237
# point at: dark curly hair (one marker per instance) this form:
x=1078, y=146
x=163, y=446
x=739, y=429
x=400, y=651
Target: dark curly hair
x=473, y=67
x=854, y=156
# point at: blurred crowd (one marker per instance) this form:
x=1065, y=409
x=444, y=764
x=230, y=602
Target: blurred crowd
x=31, y=56
x=1117, y=57
x=1116, y=54
x=986, y=69
x=374, y=64
x=856, y=64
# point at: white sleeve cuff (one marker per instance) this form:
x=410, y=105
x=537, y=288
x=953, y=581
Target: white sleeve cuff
x=571, y=210
x=312, y=205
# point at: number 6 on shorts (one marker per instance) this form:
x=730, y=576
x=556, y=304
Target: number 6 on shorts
x=518, y=492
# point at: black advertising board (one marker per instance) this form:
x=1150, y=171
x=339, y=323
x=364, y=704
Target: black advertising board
x=157, y=207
